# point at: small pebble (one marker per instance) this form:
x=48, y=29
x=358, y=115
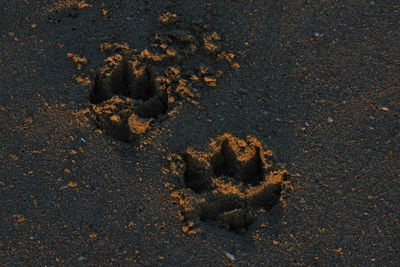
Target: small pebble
x=330, y=120
x=302, y=201
x=230, y=256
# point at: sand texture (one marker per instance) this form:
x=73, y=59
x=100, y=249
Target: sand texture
x=199, y=133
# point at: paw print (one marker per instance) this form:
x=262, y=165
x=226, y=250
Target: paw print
x=231, y=184
x=127, y=99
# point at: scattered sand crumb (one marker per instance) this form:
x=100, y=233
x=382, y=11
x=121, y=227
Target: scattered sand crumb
x=115, y=46
x=228, y=57
x=145, y=54
x=84, y=81
x=235, y=66
x=173, y=73
x=183, y=91
x=209, y=42
x=211, y=82
x=82, y=5
x=168, y=18
x=72, y=184
x=170, y=53
x=194, y=78
x=93, y=235
x=70, y=3
x=79, y=61
x=19, y=219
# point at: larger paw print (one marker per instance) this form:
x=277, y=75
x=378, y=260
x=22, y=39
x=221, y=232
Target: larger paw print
x=231, y=184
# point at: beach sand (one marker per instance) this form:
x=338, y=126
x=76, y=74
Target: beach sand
x=199, y=133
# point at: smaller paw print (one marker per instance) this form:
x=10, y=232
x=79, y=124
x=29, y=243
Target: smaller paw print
x=127, y=99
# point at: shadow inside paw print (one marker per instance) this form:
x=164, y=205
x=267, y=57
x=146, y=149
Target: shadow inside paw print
x=127, y=99
x=231, y=184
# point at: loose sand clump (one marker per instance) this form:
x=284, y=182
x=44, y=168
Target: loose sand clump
x=79, y=61
x=62, y=5
x=210, y=42
x=117, y=118
x=168, y=18
x=105, y=47
x=230, y=184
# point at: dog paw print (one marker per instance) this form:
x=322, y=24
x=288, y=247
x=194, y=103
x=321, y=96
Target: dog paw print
x=230, y=185
x=127, y=99
x=133, y=90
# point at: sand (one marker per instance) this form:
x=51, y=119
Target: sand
x=209, y=133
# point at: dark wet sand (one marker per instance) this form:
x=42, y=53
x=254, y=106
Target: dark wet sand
x=318, y=85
